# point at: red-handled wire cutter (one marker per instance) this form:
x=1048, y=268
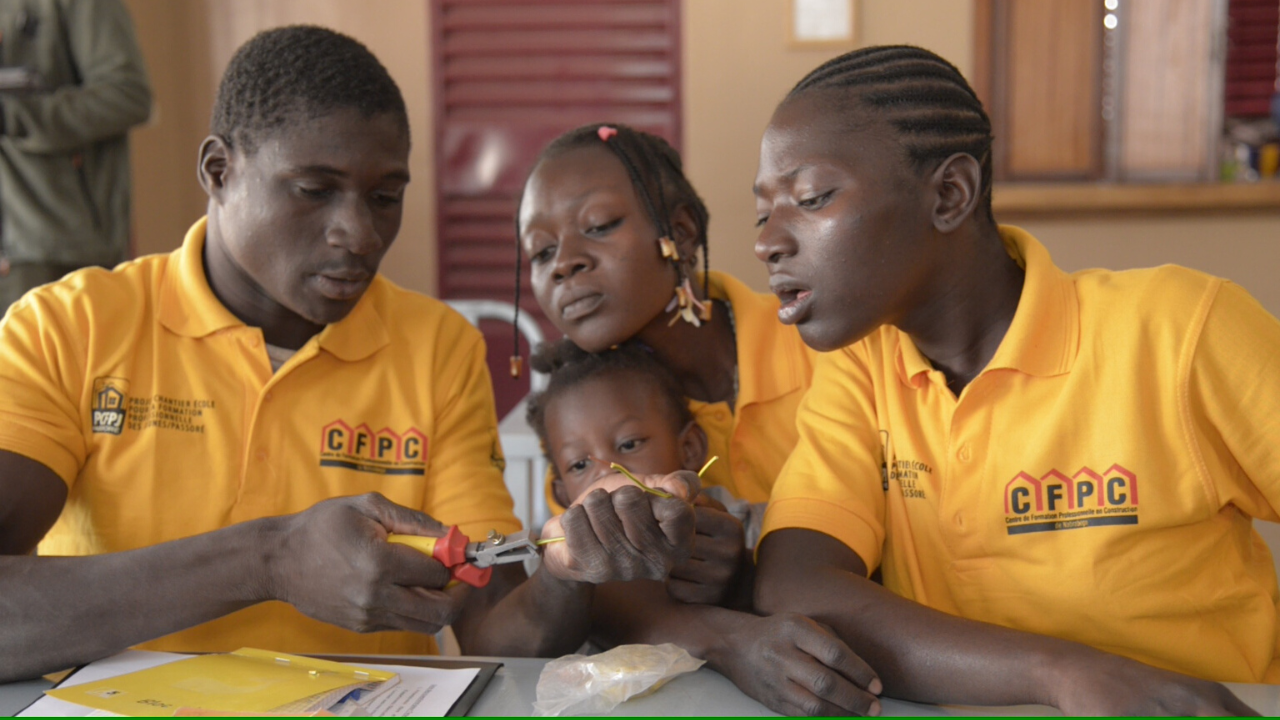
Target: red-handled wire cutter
x=471, y=562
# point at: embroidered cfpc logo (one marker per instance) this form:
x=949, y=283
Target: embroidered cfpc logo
x=384, y=452
x=110, y=395
x=1057, y=501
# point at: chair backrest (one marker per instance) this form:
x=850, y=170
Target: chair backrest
x=476, y=310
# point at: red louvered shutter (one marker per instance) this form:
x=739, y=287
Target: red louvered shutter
x=511, y=75
x=1251, y=56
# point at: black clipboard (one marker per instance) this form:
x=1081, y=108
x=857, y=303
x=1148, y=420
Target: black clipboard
x=460, y=707
x=463, y=704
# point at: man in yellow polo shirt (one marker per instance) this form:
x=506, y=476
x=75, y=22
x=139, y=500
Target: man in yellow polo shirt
x=181, y=423
x=1055, y=474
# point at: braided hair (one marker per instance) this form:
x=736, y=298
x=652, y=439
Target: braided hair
x=924, y=97
x=295, y=70
x=657, y=175
x=568, y=366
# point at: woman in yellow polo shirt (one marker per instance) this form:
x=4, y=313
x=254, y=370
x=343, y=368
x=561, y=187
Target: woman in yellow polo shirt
x=612, y=228
x=1056, y=474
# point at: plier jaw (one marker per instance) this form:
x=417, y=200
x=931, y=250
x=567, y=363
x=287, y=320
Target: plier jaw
x=472, y=562
x=501, y=549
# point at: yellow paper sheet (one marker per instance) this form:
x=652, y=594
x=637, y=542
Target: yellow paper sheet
x=246, y=680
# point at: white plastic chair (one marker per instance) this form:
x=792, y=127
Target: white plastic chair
x=526, y=466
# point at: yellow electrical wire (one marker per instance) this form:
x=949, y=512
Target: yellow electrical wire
x=642, y=486
x=708, y=464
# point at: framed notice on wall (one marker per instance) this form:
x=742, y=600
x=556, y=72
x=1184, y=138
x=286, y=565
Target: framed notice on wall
x=821, y=22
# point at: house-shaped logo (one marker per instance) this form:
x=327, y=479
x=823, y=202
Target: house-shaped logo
x=110, y=395
x=1057, y=501
x=385, y=452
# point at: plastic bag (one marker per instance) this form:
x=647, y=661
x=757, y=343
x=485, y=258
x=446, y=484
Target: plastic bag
x=595, y=684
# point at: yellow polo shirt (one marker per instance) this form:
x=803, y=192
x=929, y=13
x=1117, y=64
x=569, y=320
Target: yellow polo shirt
x=775, y=367
x=160, y=411
x=1096, y=482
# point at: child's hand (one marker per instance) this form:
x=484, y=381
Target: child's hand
x=712, y=574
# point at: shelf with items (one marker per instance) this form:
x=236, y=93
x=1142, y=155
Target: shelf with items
x=1039, y=199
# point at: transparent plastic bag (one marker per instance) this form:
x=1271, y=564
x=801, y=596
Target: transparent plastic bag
x=595, y=684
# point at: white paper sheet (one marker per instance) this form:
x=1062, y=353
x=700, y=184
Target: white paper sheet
x=420, y=691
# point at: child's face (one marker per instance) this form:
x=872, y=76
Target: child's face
x=598, y=272
x=845, y=223
x=619, y=418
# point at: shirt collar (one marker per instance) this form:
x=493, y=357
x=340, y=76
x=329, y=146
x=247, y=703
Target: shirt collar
x=1044, y=336
x=765, y=369
x=189, y=308
x=362, y=332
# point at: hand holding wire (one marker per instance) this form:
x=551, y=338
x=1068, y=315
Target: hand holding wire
x=657, y=524
x=651, y=490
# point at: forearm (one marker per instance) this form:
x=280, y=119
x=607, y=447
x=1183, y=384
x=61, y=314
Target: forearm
x=57, y=612
x=543, y=616
x=787, y=662
x=641, y=611
x=920, y=654
x=741, y=596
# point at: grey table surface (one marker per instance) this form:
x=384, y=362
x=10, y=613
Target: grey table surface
x=705, y=692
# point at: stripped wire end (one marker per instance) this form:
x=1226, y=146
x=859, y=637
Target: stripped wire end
x=548, y=541
x=708, y=464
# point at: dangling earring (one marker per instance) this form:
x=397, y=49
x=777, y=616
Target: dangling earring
x=669, y=250
x=685, y=303
x=517, y=362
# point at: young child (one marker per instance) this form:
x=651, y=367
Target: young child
x=619, y=406
x=1056, y=473
x=622, y=406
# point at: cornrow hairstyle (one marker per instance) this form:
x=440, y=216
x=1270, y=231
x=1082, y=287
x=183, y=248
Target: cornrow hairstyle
x=569, y=366
x=299, y=70
x=924, y=97
x=657, y=175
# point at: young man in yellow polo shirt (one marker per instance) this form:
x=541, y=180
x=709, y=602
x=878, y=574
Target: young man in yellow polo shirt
x=182, y=421
x=1055, y=474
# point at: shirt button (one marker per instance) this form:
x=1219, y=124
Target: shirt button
x=267, y=397
x=960, y=519
x=255, y=342
x=963, y=453
x=261, y=455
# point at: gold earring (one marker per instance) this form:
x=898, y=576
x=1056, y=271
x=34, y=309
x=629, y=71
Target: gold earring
x=668, y=249
x=687, y=305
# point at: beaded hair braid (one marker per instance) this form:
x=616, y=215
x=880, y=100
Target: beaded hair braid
x=923, y=96
x=656, y=174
